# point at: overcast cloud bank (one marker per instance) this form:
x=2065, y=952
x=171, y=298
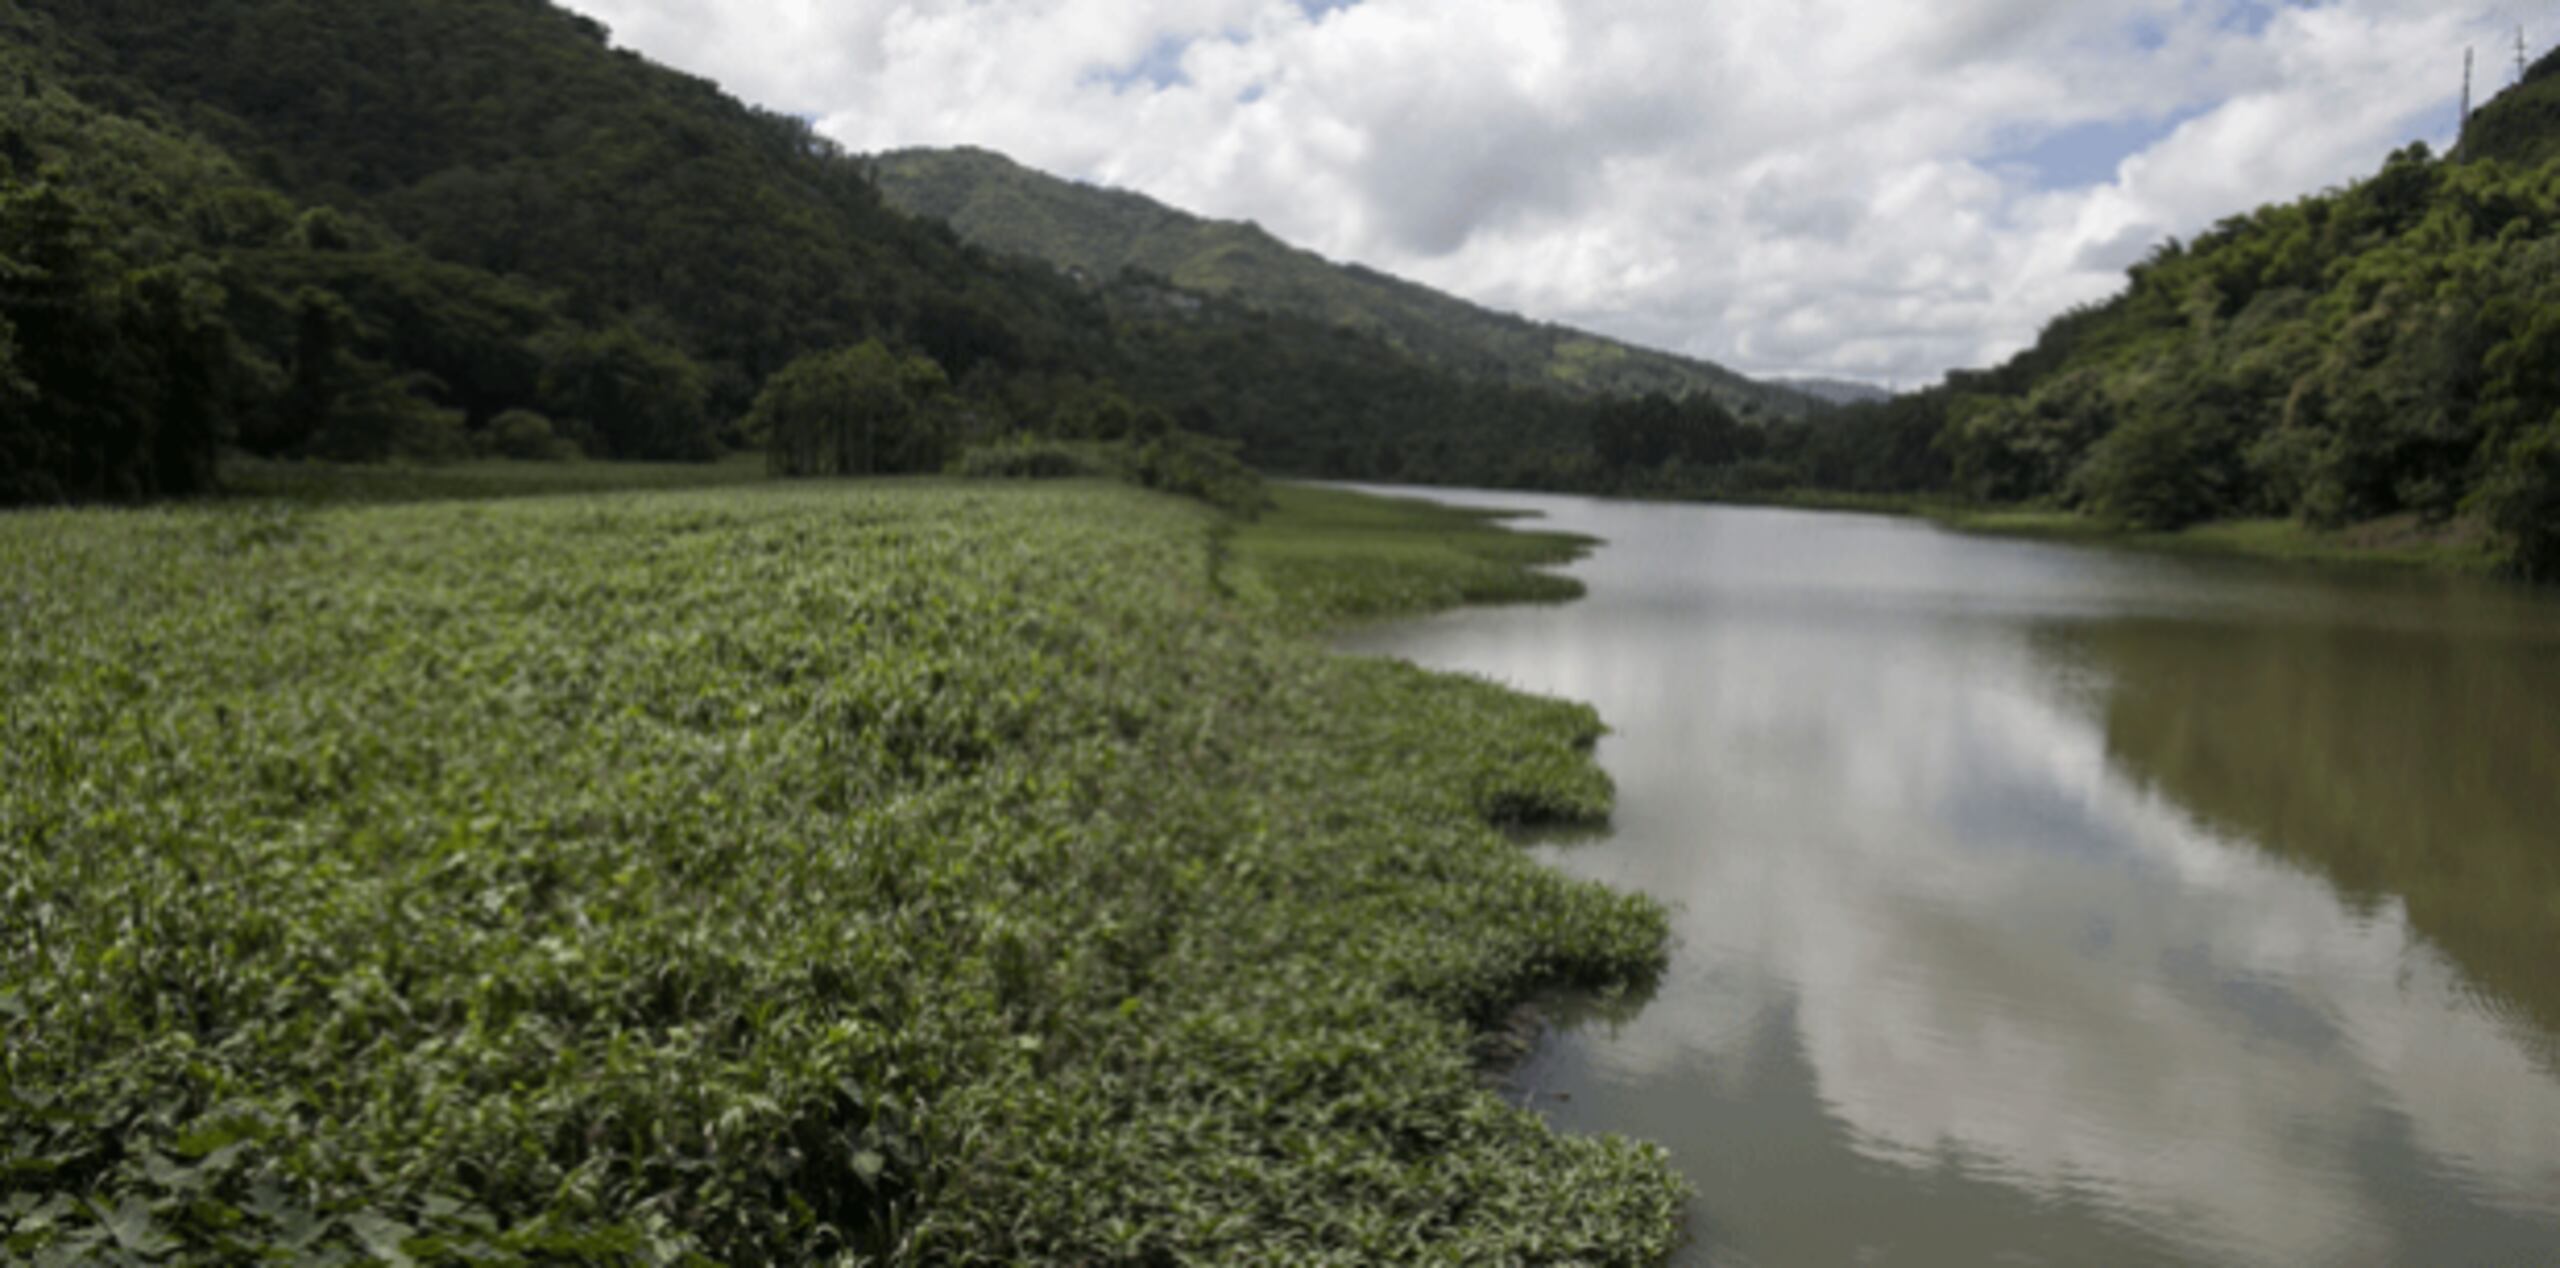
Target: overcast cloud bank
x=1880, y=191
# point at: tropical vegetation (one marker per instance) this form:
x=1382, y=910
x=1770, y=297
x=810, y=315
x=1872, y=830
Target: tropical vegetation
x=894, y=872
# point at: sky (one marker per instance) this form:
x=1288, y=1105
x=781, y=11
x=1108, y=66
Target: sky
x=1879, y=190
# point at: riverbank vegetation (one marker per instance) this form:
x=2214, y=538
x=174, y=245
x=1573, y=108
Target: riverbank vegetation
x=2373, y=364
x=920, y=872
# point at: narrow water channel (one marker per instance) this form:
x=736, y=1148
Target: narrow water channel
x=2044, y=904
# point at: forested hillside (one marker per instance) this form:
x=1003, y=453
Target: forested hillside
x=2387, y=350
x=1001, y=204
x=423, y=229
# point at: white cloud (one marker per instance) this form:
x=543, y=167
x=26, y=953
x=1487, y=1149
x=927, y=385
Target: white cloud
x=1786, y=186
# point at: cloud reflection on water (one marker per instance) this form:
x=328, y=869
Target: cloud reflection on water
x=1871, y=764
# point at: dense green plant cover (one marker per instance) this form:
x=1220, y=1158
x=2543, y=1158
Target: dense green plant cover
x=1028, y=457
x=917, y=873
x=1326, y=555
x=162, y=303
x=1002, y=205
x=367, y=229
x=2386, y=350
x=862, y=410
x=2522, y=501
x=525, y=436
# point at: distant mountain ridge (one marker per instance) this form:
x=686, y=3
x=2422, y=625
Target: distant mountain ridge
x=1002, y=205
x=1836, y=391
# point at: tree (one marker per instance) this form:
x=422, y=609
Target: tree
x=114, y=376
x=862, y=410
x=2522, y=502
x=638, y=398
x=341, y=405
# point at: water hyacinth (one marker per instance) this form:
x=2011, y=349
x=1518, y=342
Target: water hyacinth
x=842, y=872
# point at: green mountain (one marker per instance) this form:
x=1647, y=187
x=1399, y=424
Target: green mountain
x=2383, y=354
x=1837, y=391
x=1102, y=233
x=425, y=228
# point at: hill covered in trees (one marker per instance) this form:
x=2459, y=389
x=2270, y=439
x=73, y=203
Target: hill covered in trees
x=426, y=228
x=1101, y=232
x=2389, y=350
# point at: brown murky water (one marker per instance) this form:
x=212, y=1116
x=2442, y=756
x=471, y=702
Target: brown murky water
x=2041, y=904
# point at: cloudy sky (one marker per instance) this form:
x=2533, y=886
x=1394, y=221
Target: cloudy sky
x=1872, y=189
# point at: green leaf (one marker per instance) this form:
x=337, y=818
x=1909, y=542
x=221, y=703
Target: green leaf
x=131, y=1224
x=383, y=1236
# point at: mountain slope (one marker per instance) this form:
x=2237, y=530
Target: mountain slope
x=1101, y=232
x=424, y=216
x=1837, y=391
x=2520, y=126
x=2389, y=351
x=506, y=135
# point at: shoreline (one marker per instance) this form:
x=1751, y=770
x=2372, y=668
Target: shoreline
x=2399, y=543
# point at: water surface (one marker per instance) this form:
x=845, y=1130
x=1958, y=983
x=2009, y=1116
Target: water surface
x=2040, y=904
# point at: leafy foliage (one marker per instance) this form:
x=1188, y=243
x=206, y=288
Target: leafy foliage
x=423, y=216
x=931, y=874
x=2373, y=352
x=860, y=411
x=528, y=437
x=1176, y=462
x=113, y=375
x=2522, y=500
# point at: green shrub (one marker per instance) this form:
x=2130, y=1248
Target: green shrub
x=2149, y=473
x=527, y=437
x=2522, y=502
x=1177, y=462
x=1197, y=466
x=1026, y=457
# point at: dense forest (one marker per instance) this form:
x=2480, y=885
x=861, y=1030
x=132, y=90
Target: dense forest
x=2390, y=349
x=1003, y=205
x=379, y=230
x=469, y=226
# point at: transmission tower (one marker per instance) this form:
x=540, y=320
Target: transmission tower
x=2465, y=129
x=2520, y=65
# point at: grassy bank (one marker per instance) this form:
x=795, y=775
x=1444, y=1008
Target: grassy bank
x=341, y=484
x=2399, y=542
x=907, y=873
x=1323, y=556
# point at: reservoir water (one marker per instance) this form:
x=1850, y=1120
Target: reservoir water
x=2039, y=904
